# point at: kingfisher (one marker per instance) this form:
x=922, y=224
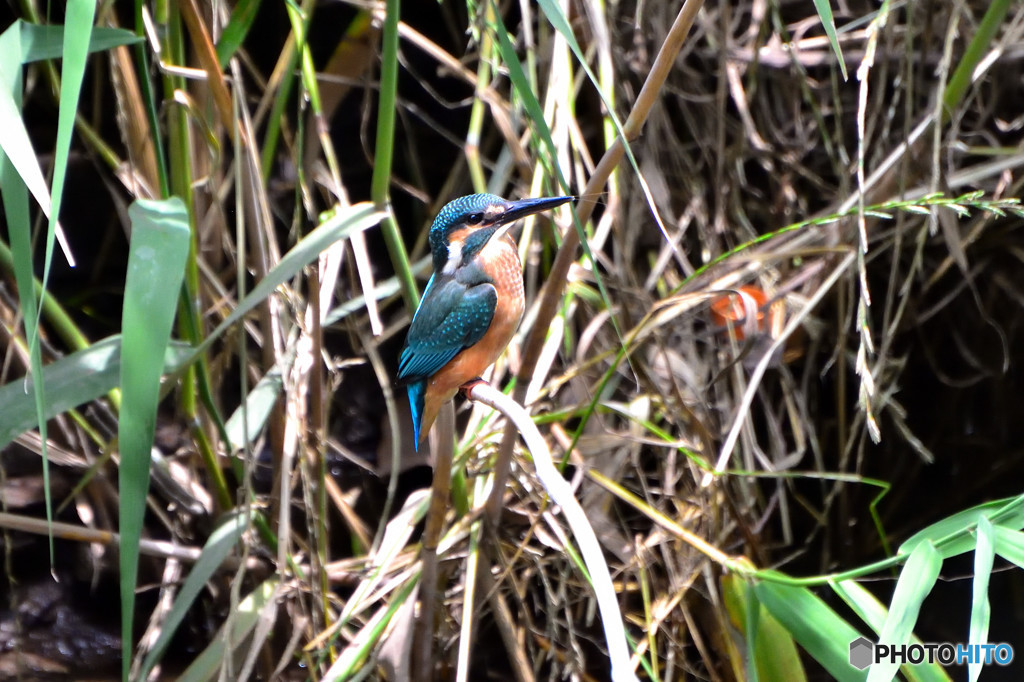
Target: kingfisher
x=473, y=301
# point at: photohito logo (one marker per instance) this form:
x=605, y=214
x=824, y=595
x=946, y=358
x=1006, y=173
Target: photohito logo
x=863, y=652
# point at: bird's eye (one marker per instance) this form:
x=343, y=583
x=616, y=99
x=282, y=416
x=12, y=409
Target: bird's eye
x=475, y=218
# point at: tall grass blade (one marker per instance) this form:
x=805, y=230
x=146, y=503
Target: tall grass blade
x=15, y=198
x=79, y=17
x=77, y=34
x=828, y=22
x=561, y=24
x=156, y=266
x=384, y=154
x=963, y=76
x=214, y=552
x=536, y=114
x=20, y=171
x=233, y=35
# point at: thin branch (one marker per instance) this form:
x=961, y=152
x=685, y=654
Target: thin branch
x=157, y=548
x=442, y=444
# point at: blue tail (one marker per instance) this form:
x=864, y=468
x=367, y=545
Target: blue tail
x=417, y=391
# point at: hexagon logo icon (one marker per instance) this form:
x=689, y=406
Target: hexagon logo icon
x=861, y=653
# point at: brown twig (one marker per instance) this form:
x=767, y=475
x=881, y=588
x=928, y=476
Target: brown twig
x=157, y=548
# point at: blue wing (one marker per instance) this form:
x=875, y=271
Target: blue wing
x=450, y=318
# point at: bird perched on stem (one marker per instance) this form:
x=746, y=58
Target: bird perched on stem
x=473, y=302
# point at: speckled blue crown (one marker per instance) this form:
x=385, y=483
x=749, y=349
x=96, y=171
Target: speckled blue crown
x=460, y=207
x=453, y=214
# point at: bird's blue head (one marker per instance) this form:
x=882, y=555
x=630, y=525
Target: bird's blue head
x=465, y=225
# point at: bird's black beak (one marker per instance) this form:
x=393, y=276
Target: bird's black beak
x=524, y=207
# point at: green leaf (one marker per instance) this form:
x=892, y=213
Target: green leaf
x=214, y=552
x=770, y=648
x=915, y=582
x=16, y=158
x=71, y=381
x=40, y=41
x=981, y=610
x=952, y=535
x=79, y=17
x=873, y=612
x=156, y=265
x=828, y=22
x=815, y=627
x=242, y=16
x=255, y=411
x=1010, y=545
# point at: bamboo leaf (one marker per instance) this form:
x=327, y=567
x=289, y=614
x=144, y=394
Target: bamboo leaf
x=814, y=625
x=952, y=536
x=916, y=580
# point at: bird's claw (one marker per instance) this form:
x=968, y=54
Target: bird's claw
x=468, y=386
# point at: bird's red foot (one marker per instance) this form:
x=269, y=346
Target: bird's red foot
x=466, y=387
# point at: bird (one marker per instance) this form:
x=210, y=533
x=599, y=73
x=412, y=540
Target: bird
x=473, y=302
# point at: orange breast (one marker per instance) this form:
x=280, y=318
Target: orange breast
x=500, y=260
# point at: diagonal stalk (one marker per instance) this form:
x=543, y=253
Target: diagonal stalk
x=552, y=293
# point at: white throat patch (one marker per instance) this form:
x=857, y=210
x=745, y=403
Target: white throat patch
x=454, y=258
